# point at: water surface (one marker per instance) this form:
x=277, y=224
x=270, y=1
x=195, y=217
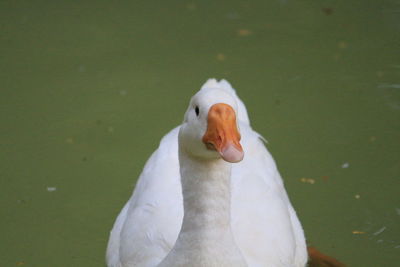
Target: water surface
x=89, y=88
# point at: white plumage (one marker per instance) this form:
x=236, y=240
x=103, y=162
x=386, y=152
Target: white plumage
x=264, y=224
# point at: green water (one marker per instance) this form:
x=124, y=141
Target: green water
x=89, y=88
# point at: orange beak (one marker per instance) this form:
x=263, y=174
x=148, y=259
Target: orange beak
x=222, y=134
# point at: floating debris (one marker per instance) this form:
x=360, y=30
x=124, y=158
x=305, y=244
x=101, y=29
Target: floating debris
x=69, y=140
x=307, y=180
x=327, y=10
x=110, y=129
x=380, y=231
x=345, y=165
x=389, y=85
x=221, y=57
x=342, y=45
x=51, y=189
x=244, y=32
x=123, y=92
x=356, y=232
x=357, y=196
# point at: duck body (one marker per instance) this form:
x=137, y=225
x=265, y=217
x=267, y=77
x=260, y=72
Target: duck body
x=264, y=225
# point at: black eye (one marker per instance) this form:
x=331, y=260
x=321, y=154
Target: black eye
x=197, y=110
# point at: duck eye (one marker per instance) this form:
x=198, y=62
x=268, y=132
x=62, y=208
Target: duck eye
x=197, y=110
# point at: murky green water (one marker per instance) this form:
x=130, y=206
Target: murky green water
x=88, y=89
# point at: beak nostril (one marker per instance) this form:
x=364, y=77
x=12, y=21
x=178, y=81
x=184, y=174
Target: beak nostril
x=210, y=146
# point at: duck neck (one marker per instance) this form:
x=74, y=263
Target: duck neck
x=206, y=238
x=206, y=195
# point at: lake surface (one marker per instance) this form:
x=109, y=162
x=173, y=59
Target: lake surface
x=89, y=88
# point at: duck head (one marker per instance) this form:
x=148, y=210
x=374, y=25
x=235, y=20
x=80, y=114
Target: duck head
x=210, y=129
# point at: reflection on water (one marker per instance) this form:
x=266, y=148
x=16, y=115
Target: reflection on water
x=88, y=90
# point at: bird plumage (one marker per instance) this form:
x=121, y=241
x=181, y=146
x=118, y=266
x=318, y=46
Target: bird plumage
x=264, y=224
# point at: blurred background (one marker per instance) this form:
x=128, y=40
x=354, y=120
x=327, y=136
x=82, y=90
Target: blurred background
x=88, y=88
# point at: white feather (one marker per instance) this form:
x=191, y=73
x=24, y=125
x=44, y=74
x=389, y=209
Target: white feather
x=264, y=224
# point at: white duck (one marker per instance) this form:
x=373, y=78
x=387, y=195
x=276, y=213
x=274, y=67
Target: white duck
x=257, y=226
